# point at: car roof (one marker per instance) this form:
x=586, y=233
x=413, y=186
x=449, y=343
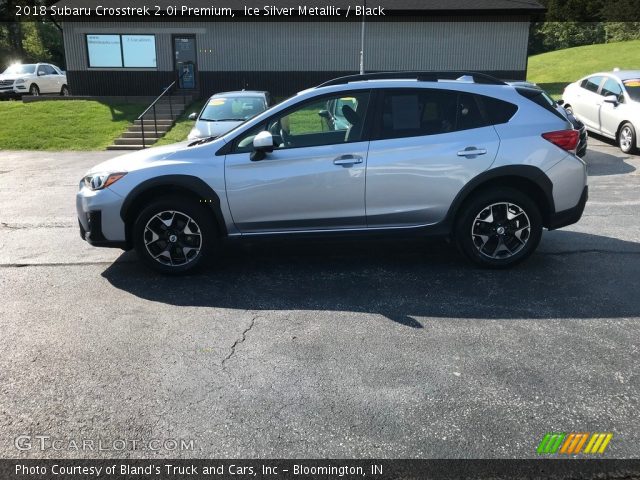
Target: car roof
x=240, y=93
x=619, y=74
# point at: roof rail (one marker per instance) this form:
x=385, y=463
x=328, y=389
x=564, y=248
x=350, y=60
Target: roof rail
x=421, y=76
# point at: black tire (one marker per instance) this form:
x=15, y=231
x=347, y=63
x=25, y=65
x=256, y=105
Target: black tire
x=176, y=250
x=480, y=227
x=64, y=91
x=627, y=138
x=569, y=109
x=34, y=90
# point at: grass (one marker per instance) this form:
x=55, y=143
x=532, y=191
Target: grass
x=183, y=125
x=63, y=125
x=555, y=70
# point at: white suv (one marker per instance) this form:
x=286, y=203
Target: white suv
x=429, y=153
x=33, y=79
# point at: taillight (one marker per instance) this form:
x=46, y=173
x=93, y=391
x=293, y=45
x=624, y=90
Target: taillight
x=565, y=139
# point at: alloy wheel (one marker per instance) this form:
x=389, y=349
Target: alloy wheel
x=626, y=138
x=173, y=238
x=501, y=230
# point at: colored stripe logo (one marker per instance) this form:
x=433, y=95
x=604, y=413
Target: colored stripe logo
x=573, y=443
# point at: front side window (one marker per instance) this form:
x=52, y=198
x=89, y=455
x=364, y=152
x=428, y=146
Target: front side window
x=611, y=87
x=326, y=121
x=121, y=51
x=592, y=83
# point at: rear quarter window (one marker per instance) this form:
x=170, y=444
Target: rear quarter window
x=540, y=98
x=497, y=111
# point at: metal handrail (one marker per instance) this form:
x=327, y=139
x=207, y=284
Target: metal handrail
x=153, y=106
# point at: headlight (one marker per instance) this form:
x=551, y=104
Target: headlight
x=20, y=81
x=98, y=181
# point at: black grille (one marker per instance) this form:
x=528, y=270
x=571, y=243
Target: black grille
x=6, y=83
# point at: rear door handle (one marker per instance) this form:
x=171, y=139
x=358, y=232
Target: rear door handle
x=472, y=151
x=347, y=160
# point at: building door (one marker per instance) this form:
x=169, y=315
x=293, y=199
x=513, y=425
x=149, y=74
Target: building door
x=185, y=60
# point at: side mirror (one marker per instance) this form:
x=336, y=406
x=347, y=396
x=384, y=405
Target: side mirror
x=193, y=116
x=611, y=99
x=560, y=102
x=41, y=73
x=325, y=114
x=262, y=144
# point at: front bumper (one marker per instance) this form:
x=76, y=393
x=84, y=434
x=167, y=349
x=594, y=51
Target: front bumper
x=571, y=215
x=99, y=218
x=91, y=231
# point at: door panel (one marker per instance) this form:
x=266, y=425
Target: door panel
x=588, y=108
x=610, y=114
x=298, y=189
x=413, y=181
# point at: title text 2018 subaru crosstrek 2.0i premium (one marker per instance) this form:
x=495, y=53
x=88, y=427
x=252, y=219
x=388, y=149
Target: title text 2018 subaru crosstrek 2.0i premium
x=448, y=153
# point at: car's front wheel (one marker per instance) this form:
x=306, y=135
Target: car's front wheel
x=64, y=91
x=34, y=90
x=499, y=228
x=627, y=138
x=174, y=235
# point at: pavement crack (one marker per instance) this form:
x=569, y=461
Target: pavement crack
x=238, y=341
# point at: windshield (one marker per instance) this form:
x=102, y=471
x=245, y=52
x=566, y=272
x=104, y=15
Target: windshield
x=19, y=69
x=232, y=109
x=633, y=89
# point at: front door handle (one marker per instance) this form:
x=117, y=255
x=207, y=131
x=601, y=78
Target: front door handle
x=472, y=152
x=347, y=160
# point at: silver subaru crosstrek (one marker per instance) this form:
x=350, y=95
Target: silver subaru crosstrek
x=454, y=154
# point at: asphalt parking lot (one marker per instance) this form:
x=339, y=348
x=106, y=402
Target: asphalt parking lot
x=336, y=349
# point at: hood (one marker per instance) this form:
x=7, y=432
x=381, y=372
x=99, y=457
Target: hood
x=212, y=129
x=140, y=159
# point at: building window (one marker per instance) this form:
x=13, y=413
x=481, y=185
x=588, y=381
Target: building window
x=121, y=51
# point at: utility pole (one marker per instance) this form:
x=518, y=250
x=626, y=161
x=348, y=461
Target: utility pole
x=362, y=38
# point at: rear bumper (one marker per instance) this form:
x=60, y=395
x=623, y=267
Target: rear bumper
x=570, y=216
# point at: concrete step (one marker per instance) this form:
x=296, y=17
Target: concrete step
x=147, y=134
x=159, y=116
x=161, y=122
x=135, y=141
x=125, y=147
x=162, y=129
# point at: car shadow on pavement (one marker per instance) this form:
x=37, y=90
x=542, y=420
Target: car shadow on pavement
x=573, y=275
x=600, y=164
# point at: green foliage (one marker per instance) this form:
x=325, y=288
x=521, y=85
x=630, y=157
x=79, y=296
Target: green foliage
x=622, y=31
x=63, y=125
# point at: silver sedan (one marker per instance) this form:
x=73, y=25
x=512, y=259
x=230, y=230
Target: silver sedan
x=608, y=103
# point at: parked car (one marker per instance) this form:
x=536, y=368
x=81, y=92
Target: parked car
x=608, y=103
x=225, y=111
x=468, y=157
x=33, y=79
x=544, y=97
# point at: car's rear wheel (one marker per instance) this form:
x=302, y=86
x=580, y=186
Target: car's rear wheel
x=175, y=235
x=499, y=228
x=627, y=138
x=34, y=90
x=64, y=91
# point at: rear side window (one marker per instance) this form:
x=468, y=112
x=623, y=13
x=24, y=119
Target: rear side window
x=420, y=112
x=591, y=83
